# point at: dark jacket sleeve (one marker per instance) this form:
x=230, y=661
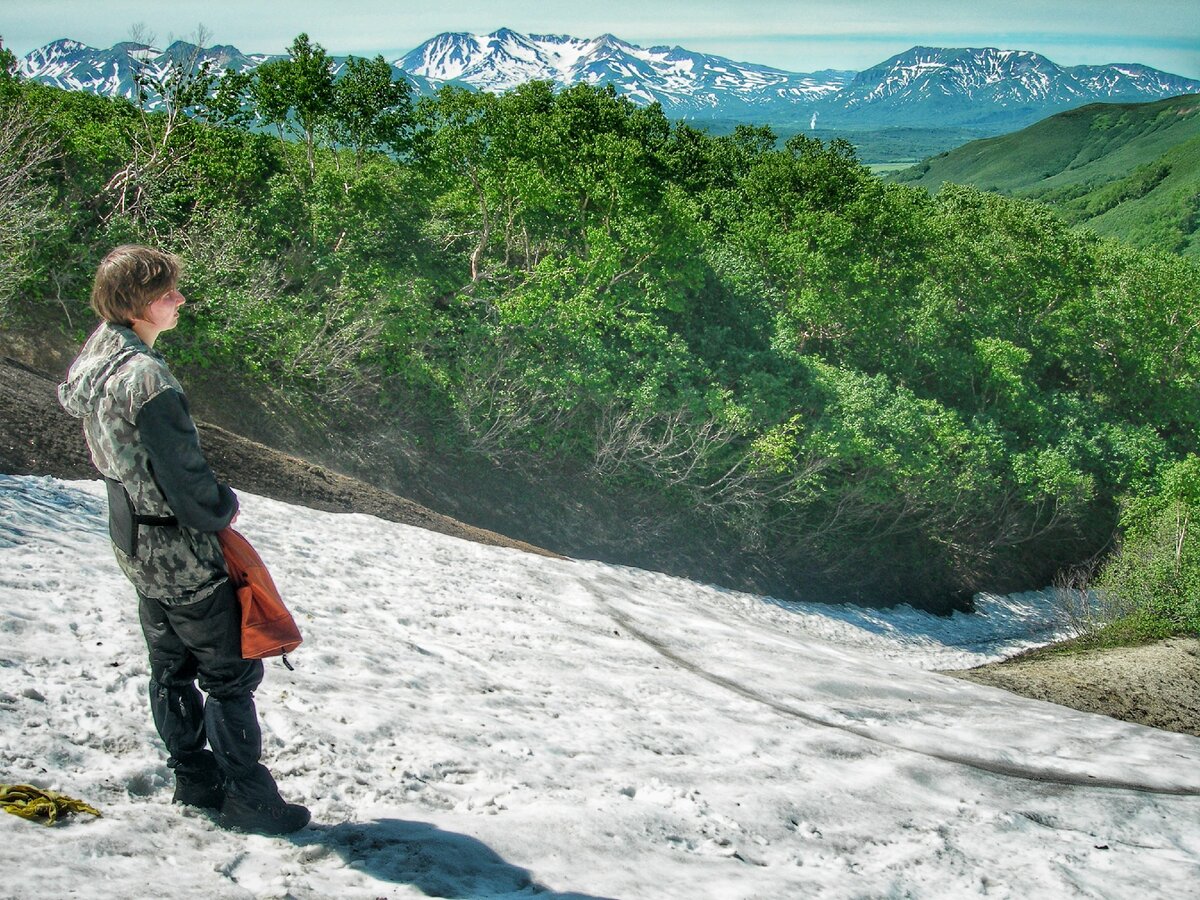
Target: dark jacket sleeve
x=182, y=474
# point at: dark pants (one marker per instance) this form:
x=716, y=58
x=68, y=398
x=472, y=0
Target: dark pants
x=202, y=640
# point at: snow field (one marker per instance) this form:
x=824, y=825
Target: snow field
x=470, y=721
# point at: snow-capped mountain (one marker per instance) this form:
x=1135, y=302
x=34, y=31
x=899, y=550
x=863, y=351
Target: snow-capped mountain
x=682, y=81
x=74, y=66
x=927, y=85
x=77, y=67
x=986, y=88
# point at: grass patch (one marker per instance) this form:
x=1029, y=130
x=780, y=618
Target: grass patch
x=1131, y=631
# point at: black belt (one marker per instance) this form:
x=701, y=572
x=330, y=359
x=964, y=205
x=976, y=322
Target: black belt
x=155, y=520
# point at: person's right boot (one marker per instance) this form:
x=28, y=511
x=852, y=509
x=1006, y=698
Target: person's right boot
x=273, y=816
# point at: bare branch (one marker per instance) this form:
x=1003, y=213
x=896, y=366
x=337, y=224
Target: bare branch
x=26, y=201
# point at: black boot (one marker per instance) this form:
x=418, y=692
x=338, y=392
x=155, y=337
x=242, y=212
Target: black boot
x=199, y=781
x=203, y=791
x=262, y=816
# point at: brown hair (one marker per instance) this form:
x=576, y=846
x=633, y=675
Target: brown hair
x=130, y=278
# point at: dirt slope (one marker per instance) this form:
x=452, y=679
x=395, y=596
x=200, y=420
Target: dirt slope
x=1157, y=684
x=37, y=437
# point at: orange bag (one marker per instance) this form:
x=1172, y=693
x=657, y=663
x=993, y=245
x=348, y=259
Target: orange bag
x=268, y=629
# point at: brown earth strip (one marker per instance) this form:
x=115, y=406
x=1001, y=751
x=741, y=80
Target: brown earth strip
x=37, y=437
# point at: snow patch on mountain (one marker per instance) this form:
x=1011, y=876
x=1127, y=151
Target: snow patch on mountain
x=672, y=76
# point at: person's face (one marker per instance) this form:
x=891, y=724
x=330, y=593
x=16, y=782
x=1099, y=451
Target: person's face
x=163, y=313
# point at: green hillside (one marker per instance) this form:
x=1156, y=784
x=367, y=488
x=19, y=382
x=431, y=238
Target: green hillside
x=1130, y=171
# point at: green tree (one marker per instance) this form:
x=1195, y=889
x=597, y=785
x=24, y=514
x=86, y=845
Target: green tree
x=1154, y=578
x=160, y=139
x=8, y=63
x=370, y=109
x=27, y=210
x=181, y=86
x=230, y=103
x=458, y=129
x=296, y=94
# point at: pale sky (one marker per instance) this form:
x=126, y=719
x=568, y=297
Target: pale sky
x=796, y=35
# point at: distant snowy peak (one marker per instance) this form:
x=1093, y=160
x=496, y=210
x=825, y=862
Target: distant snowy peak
x=987, y=75
x=675, y=77
x=55, y=57
x=495, y=61
x=965, y=72
x=55, y=52
x=74, y=66
x=1129, y=79
x=219, y=58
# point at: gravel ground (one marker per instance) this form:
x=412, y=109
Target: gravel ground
x=1155, y=684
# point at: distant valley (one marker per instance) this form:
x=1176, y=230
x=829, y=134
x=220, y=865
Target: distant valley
x=1130, y=171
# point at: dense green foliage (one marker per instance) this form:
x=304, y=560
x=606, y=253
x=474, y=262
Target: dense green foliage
x=1154, y=579
x=897, y=396
x=1130, y=171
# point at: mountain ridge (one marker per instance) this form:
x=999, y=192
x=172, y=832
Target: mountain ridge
x=677, y=78
x=988, y=88
x=72, y=65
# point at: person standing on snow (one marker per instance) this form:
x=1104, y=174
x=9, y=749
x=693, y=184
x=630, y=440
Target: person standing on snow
x=165, y=508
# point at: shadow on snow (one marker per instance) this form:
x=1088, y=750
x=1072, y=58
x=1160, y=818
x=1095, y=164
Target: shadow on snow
x=438, y=863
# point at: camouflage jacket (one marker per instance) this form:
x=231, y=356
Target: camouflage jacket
x=165, y=505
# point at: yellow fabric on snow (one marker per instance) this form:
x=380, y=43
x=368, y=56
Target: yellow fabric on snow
x=40, y=805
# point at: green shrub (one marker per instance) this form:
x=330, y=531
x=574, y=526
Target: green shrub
x=1155, y=575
